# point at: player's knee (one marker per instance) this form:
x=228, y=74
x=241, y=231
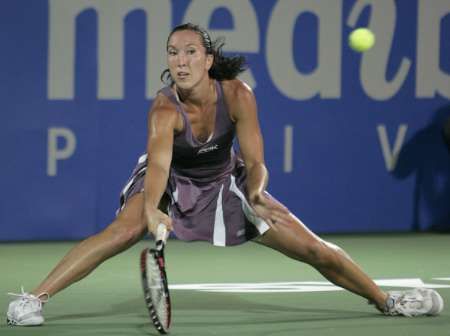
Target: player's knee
x=318, y=254
x=125, y=235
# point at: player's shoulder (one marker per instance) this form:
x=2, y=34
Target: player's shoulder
x=239, y=98
x=162, y=105
x=162, y=102
x=163, y=110
x=236, y=90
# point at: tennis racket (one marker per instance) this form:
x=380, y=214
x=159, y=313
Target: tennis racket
x=154, y=282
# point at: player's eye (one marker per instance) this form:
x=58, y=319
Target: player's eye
x=171, y=52
x=191, y=51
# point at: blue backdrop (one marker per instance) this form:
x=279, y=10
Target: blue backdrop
x=352, y=140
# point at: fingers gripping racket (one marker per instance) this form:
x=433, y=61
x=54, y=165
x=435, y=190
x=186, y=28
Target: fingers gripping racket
x=154, y=282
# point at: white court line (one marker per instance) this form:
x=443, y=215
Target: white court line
x=299, y=286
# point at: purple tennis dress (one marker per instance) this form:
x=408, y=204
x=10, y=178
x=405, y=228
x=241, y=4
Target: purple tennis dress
x=206, y=184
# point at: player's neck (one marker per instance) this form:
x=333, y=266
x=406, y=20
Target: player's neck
x=203, y=94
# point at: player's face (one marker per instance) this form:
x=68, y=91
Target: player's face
x=187, y=59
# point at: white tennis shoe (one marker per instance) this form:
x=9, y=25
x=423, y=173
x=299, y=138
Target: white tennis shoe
x=415, y=302
x=25, y=310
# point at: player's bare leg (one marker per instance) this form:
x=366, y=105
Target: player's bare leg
x=122, y=233
x=128, y=228
x=296, y=241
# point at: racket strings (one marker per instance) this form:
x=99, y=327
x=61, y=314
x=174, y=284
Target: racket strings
x=156, y=287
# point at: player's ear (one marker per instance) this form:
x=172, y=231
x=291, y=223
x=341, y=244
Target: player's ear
x=209, y=61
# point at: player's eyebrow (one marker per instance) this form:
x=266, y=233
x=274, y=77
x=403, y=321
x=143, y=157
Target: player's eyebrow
x=192, y=44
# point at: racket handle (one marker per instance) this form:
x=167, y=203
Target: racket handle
x=161, y=235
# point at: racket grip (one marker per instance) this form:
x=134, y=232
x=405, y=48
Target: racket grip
x=161, y=233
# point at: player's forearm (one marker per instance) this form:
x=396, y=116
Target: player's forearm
x=154, y=185
x=257, y=179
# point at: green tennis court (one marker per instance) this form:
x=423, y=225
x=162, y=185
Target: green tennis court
x=245, y=290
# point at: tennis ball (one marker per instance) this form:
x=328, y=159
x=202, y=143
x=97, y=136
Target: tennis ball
x=361, y=39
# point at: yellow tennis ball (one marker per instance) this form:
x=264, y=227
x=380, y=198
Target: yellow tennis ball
x=361, y=39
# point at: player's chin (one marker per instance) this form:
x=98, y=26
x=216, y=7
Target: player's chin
x=184, y=84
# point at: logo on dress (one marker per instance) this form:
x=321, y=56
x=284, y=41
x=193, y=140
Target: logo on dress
x=208, y=149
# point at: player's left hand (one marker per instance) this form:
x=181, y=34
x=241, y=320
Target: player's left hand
x=270, y=210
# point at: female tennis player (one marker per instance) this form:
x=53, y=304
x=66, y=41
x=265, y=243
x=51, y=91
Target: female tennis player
x=192, y=181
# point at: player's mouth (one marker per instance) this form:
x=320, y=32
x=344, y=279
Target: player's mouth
x=182, y=75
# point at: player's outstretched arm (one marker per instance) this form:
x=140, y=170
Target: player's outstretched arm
x=244, y=112
x=161, y=127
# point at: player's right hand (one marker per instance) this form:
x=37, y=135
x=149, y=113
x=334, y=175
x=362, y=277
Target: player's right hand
x=154, y=217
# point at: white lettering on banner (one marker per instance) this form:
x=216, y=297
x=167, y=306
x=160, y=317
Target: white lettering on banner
x=374, y=63
x=391, y=156
x=430, y=79
x=325, y=80
x=54, y=154
x=288, y=135
x=244, y=37
x=111, y=15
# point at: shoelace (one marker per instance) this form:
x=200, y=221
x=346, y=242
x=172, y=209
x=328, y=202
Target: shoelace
x=26, y=297
x=403, y=304
x=406, y=299
x=408, y=302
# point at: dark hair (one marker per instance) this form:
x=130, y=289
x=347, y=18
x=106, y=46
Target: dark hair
x=223, y=67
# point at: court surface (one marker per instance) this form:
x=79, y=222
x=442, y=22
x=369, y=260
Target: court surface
x=246, y=290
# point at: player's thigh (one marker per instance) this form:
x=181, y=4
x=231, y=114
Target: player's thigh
x=129, y=225
x=295, y=240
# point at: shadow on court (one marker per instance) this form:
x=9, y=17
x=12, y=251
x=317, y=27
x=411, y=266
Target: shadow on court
x=109, y=302
x=426, y=157
x=200, y=309
x=200, y=313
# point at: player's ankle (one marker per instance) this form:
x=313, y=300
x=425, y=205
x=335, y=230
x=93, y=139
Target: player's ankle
x=42, y=296
x=381, y=303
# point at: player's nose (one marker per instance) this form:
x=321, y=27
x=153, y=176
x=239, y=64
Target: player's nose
x=181, y=60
